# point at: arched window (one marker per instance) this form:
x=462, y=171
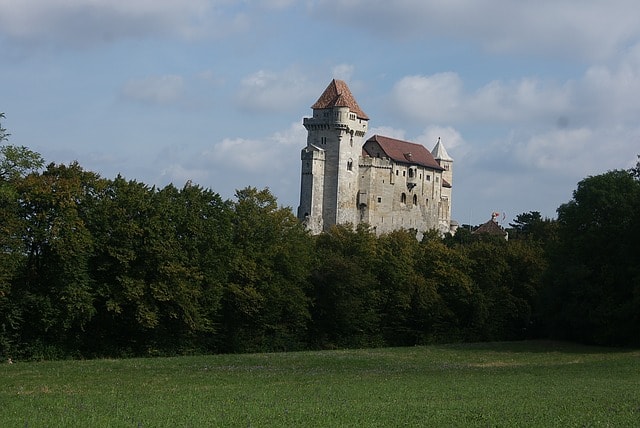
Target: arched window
x=410, y=172
x=403, y=198
x=415, y=199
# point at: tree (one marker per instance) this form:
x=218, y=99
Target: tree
x=532, y=226
x=3, y=132
x=265, y=304
x=509, y=276
x=595, y=292
x=345, y=289
x=15, y=164
x=400, y=287
x=56, y=283
x=451, y=302
x=160, y=263
x=635, y=171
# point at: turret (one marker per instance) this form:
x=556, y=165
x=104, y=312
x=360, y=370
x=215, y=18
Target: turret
x=446, y=162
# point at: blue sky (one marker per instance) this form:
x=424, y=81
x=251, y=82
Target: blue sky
x=528, y=97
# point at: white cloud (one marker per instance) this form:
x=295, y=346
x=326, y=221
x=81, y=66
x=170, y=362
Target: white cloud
x=256, y=156
x=343, y=71
x=269, y=91
x=272, y=161
x=451, y=138
x=579, y=152
x=179, y=175
x=441, y=98
x=82, y=22
x=435, y=97
x=154, y=89
x=604, y=95
x=387, y=131
x=560, y=28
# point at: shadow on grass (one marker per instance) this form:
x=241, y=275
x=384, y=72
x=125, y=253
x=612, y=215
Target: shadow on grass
x=536, y=346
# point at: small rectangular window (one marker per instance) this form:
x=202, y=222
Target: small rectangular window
x=379, y=200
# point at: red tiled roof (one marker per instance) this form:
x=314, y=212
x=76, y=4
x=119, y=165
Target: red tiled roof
x=338, y=94
x=491, y=228
x=404, y=151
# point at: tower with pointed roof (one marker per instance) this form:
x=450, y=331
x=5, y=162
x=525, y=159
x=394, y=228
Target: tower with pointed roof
x=446, y=162
x=384, y=182
x=329, y=185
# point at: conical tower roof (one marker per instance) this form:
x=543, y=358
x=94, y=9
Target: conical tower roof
x=440, y=153
x=338, y=94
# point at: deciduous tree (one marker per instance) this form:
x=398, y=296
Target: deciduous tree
x=595, y=294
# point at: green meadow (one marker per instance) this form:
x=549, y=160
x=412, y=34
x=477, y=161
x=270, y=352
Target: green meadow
x=494, y=384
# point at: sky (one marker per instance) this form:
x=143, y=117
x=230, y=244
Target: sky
x=529, y=98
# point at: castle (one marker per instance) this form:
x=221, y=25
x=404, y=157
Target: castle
x=386, y=183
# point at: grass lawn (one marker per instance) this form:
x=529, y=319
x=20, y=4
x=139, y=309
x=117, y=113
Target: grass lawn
x=495, y=384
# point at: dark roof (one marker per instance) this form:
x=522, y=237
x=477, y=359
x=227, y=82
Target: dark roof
x=404, y=152
x=492, y=228
x=338, y=94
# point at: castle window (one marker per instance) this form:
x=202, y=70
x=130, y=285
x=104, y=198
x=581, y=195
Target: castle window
x=323, y=140
x=403, y=198
x=410, y=173
x=428, y=177
x=437, y=179
x=352, y=116
x=415, y=199
x=427, y=202
x=404, y=173
x=349, y=165
x=379, y=200
x=397, y=172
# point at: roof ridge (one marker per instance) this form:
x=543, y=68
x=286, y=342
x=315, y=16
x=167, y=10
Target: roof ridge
x=398, y=149
x=400, y=141
x=338, y=94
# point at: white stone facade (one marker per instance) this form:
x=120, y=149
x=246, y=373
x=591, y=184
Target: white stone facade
x=386, y=183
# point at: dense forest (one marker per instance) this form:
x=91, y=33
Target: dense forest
x=96, y=267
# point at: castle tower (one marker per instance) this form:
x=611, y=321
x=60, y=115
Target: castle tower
x=446, y=162
x=329, y=182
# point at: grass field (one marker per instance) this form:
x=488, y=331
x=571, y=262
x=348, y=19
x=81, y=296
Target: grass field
x=497, y=384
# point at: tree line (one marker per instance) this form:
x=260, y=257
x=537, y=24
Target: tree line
x=94, y=267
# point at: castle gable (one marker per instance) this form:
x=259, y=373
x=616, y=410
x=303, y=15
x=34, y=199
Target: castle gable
x=401, y=151
x=338, y=94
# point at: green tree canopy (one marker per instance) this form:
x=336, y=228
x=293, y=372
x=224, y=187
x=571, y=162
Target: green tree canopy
x=595, y=295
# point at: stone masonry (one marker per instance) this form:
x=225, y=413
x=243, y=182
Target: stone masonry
x=386, y=183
